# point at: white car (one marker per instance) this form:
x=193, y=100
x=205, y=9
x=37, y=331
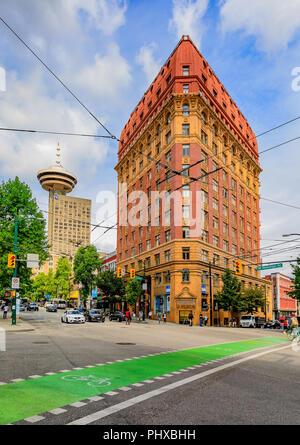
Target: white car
x=72, y=316
x=247, y=321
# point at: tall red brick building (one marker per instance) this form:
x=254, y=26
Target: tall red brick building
x=186, y=126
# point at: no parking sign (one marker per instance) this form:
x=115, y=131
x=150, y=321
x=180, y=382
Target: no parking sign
x=15, y=283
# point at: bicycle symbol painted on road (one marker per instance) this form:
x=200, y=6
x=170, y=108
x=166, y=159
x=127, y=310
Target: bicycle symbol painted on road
x=90, y=379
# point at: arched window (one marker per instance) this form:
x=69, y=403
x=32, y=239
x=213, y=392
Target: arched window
x=214, y=130
x=224, y=141
x=168, y=118
x=185, y=110
x=158, y=130
x=149, y=139
x=203, y=118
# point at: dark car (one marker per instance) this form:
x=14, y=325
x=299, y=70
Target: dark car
x=118, y=315
x=51, y=308
x=272, y=325
x=94, y=315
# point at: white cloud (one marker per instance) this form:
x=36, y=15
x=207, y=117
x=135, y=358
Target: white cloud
x=26, y=104
x=108, y=76
x=146, y=59
x=273, y=22
x=106, y=15
x=187, y=15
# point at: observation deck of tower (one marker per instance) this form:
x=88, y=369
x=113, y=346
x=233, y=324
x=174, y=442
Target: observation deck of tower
x=57, y=178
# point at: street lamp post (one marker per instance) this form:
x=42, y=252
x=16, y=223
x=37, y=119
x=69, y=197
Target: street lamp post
x=14, y=300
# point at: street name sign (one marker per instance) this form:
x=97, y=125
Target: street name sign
x=269, y=266
x=32, y=261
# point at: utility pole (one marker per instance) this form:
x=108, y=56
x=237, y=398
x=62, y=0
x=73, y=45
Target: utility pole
x=210, y=296
x=14, y=300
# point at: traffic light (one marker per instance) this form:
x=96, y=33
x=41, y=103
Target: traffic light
x=119, y=272
x=132, y=274
x=11, y=260
x=238, y=267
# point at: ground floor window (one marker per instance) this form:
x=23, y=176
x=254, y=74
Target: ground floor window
x=183, y=317
x=161, y=304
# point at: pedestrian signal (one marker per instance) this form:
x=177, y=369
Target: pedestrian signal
x=238, y=267
x=132, y=274
x=11, y=260
x=119, y=272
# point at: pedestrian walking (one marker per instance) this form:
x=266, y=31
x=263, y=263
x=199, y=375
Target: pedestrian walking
x=190, y=317
x=234, y=323
x=127, y=317
x=5, y=310
x=165, y=317
x=205, y=320
x=159, y=318
x=150, y=315
x=201, y=319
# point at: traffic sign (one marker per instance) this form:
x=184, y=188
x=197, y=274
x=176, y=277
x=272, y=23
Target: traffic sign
x=269, y=266
x=15, y=283
x=138, y=278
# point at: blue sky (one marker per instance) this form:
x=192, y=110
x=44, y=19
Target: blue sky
x=108, y=51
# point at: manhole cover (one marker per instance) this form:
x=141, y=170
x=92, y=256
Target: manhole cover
x=40, y=342
x=126, y=344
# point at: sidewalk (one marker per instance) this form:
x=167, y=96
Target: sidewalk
x=21, y=326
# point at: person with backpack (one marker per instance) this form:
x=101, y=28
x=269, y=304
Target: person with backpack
x=190, y=317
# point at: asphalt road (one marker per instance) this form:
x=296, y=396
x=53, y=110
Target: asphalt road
x=264, y=388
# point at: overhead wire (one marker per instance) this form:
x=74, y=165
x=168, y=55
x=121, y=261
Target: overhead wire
x=56, y=77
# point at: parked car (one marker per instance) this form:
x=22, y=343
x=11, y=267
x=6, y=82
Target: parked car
x=275, y=324
x=117, y=315
x=22, y=308
x=95, y=315
x=247, y=321
x=72, y=316
x=260, y=322
x=51, y=308
x=32, y=307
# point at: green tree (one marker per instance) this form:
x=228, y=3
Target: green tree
x=251, y=299
x=44, y=284
x=16, y=201
x=39, y=285
x=295, y=289
x=133, y=291
x=229, y=298
x=110, y=286
x=86, y=263
x=61, y=278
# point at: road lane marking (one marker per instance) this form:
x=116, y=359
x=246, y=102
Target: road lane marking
x=95, y=398
x=34, y=419
x=17, y=380
x=57, y=411
x=77, y=404
x=135, y=400
x=125, y=388
x=36, y=396
x=34, y=376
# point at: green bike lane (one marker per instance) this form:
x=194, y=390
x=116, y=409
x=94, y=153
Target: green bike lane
x=35, y=396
